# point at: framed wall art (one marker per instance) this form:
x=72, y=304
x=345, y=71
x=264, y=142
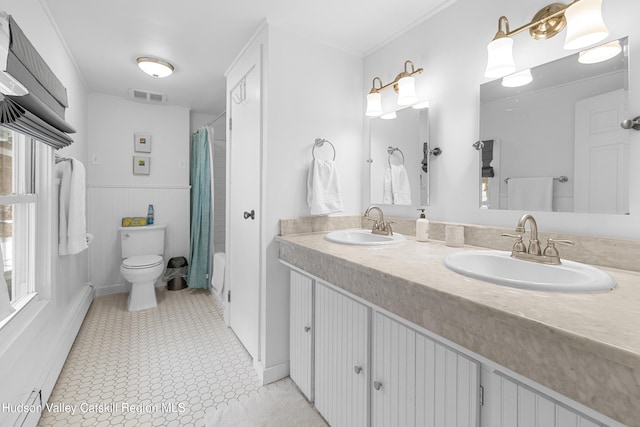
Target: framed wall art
x=141, y=165
x=142, y=143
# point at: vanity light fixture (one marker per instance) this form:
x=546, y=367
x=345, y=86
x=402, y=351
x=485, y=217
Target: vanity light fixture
x=518, y=79
x=600, y=53
x=389, y=116
x=404, y=84
x=155, y=67
x=583, y=19
x=420, y=105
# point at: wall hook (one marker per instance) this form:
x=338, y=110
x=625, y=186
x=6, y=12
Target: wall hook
x=436, y=151
x=478, y=145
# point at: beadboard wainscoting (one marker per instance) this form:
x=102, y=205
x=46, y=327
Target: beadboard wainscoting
x=107, y=206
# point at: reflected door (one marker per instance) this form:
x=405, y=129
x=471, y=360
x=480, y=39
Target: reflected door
x=601, y=154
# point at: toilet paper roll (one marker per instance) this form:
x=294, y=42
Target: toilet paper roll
x=454, y=236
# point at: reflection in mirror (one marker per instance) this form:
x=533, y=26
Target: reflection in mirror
x=399, y=161
x=555, y=143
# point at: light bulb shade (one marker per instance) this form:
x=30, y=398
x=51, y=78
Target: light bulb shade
x=600, y=53
x=420, y=105
x=155, y=67
x=407, y=91
x=374, y=104
x=584, y=24
x=389, y=116
x=500, y=58
x=518, y=79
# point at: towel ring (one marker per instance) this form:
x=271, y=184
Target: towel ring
x=392, y=150
x=319, y=143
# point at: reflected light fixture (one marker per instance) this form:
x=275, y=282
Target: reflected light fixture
x=583, y=19
x=518, y=79
x=155, y=67
x=600, y=53
x=404, y=84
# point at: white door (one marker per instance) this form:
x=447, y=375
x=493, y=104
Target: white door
x=301, y=332
x=243, y=215
x=602, y=154
x=341, y=365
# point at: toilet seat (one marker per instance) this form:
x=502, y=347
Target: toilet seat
x=142, y=261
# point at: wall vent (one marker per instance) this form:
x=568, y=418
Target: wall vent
x=147, y=96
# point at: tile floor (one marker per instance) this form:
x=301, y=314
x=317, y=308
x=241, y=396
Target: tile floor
x=166, y=366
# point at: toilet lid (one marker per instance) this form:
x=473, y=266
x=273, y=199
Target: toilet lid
x=142, y=261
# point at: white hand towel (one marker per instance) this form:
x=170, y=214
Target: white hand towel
x=323, y=188
x=63, y=171
x=533, y=194
x=387, y=196
x=5, y=304
x=400, y=185
x=72, y=221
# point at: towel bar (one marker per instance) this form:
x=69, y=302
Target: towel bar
x=392, y=150
x=319, y=143
x=561, y=178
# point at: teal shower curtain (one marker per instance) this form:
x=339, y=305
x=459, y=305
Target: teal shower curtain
x=201, y=208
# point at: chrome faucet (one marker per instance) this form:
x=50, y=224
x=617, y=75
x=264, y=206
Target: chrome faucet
x=550, y=254
x=380, y=226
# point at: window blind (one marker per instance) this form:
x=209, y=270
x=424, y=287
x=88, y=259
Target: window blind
x=40, y=112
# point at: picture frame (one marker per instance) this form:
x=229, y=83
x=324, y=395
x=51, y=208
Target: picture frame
x=142, y=142
x=141, y=165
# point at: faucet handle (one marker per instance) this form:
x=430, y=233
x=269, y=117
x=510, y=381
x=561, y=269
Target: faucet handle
x=518, y=246
x=551, y=249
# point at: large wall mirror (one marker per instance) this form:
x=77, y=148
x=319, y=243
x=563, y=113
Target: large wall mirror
x=399, y=158
x=555, y=143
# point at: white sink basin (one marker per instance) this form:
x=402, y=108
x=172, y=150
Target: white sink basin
x=500, y=268
x=362, y=237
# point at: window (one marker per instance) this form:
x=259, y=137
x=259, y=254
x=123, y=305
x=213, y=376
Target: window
x=18, y=203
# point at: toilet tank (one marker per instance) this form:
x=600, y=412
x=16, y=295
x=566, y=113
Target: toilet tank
x=143, y=240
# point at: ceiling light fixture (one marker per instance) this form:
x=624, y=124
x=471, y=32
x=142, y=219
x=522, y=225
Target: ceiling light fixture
x=583, y=19
x=155, y=67
x=404, y=84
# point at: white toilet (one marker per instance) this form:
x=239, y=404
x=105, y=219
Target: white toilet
x=142, y=250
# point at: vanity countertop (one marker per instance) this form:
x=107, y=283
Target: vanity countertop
x=584, y=346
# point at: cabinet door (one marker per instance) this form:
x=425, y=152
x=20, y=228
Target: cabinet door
x=420, y=382
x=341, y=358
x=510, y=403
x=301, y=332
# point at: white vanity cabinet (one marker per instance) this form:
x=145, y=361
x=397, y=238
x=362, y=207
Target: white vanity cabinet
x=341, y=358
x=366, y=367
x=418, y=381
x=509, y=402
x=301, y=332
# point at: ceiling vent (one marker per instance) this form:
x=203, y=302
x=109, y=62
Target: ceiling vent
x=147, y=96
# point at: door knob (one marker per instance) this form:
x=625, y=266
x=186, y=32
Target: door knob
x=307, y=328
x=357, y=369
x=251, y=214
x=631, y=124
x=377, y=385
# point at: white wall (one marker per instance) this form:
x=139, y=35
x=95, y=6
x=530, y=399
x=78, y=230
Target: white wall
x=34, y=344
x=313, y=90
x=451, y=47
x=115, y=192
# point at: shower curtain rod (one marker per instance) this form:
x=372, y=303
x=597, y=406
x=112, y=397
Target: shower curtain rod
x=216, y=119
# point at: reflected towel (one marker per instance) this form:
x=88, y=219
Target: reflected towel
x=387, y=196
x=72, y=220
x=323, y=188
x=535, y=194
x=400, y=185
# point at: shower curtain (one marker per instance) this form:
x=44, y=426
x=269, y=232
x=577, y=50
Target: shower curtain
x=201, y=208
